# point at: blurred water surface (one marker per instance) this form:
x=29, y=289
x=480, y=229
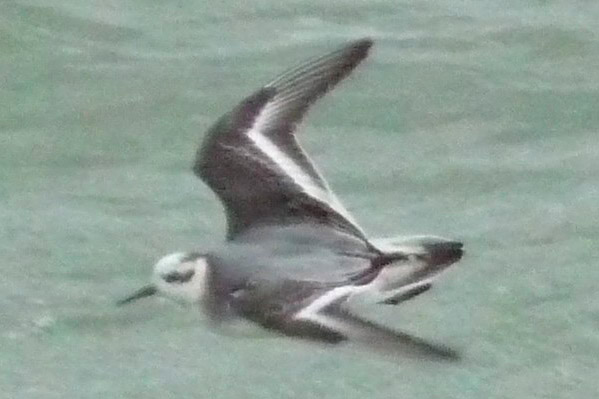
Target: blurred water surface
x=474, y=119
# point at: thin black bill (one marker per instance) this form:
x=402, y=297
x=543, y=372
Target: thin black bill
x=141, y=293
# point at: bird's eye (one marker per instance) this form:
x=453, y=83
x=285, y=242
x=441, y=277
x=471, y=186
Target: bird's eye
x=178, y=277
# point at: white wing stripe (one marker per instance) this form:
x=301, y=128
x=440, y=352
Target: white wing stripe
x=291, y=169
x=286, y=164
x=313, y=311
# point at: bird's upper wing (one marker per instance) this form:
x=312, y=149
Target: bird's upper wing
x=252, y=161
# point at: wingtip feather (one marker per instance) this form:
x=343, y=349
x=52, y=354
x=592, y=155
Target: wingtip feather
x=364, y=44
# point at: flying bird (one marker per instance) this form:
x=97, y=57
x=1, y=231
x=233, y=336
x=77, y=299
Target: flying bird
x=294, y=256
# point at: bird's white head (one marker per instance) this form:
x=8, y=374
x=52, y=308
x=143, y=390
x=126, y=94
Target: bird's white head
x=180, y=276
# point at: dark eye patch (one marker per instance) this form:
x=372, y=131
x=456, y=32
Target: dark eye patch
x=178, y=277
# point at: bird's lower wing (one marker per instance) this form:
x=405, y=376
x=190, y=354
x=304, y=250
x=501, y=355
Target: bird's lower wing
x=386, y=341
x=314, y=312
x=327, y=315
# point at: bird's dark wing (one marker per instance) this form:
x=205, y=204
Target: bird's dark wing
x=383, y=340
x=252, y=161
x=313, y=311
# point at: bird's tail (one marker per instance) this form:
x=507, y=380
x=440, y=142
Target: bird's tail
x=410, y=265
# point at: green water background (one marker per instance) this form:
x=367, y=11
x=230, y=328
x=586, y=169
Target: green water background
x=472, y=119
